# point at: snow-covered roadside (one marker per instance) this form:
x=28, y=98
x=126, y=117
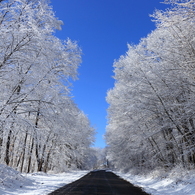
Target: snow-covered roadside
x=13, y=183
x=176, y=182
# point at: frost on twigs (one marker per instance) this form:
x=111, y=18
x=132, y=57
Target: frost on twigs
x=151, y=113
x=42, y=129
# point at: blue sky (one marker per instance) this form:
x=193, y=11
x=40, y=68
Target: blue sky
x=102, y=29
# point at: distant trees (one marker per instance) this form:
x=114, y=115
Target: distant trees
x=41, y=128
x=151, y=114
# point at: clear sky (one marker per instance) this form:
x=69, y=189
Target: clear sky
x=102, y=29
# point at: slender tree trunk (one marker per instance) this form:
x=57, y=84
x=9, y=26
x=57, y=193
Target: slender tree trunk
x=7, y=157
x=47, y=161
x=12, y=148
x=30, y=156
x=23, y=152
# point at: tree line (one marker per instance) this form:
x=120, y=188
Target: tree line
x=151, y=116
x=41, y=128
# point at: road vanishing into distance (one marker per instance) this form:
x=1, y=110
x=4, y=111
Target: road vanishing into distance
x=99, y=183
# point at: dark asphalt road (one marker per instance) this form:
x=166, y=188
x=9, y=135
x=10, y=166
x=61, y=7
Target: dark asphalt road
x=99, y=183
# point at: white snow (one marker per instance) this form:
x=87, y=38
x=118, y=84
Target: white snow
x=14, y=183
x=175, y=182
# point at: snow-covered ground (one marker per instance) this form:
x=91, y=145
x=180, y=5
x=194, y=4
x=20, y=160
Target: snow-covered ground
x=176, y=182
x=13, y=183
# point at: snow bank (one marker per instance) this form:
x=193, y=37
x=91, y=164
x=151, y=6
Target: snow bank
x=46, y=183
x=13, y=182
x=176, y=182
x=11, y=179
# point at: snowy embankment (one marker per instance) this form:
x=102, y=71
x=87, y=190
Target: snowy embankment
x=176, y=182
x=15, y=183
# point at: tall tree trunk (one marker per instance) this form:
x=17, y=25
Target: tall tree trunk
x=7, y=159
x=30, y=156
x=23, y=152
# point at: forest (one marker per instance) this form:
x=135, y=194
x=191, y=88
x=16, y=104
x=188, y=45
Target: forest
x=151, y=114
x=41, y=128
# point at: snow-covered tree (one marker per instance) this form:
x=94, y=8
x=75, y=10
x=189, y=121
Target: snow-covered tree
x=37, y=115
x=150, y=118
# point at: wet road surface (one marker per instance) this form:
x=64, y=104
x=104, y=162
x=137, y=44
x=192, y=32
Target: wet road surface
x=99, y=183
